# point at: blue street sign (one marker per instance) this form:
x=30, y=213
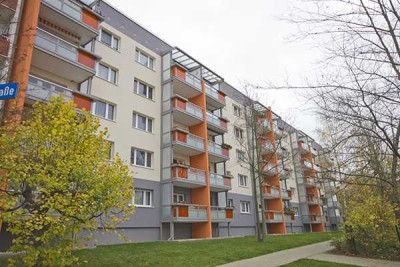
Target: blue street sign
x=8, y=90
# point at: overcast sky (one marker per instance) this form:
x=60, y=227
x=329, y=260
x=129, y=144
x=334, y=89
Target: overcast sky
x=239, y=40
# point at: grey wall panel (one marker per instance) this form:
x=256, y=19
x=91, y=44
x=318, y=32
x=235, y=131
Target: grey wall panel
x=129, y=234
x=183, y=230
x=237, y=231
x=241, y=219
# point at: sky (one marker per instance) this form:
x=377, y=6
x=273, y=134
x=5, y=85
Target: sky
x=241, y=41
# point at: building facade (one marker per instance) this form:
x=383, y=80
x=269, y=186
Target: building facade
x=179, y=126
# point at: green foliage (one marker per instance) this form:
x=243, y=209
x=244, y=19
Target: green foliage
x=370, y=227
x=61, y=182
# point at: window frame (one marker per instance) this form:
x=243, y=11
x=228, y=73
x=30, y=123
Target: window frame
x=136, y=86
x=229, y=203
x=240, y=131
x=179, y=195
x=108, y=73
x=134, y=113
x=245, y=178
x=144, y=205
x=237, y=111
x=113, y=38
x=140, y=53
x=240, y=152
x=107, y=111
x=148, y=155
x=247, y=207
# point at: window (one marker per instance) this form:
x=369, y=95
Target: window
x=244, y=207
x=107, y=73
x=110, y=149
x=140, y=158
x=242, y=180
x=143, y=89
x=230, y=203
x=142, y=122
x=237, y=111
x=103, y=109
x=143, y=198
x=109, y=39
x=144, y=59
x=179, y=198
x=238, y=133
x=240, y=155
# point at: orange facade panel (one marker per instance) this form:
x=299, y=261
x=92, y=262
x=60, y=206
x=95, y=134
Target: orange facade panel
x=229, y=213
x=10, y=3
x=86, y=59
x=4, y=46
x=82, y=102
x=90, y=19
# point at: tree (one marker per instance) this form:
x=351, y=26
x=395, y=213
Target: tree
x=61, y=182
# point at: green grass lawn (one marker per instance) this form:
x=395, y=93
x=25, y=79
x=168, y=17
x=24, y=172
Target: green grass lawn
x=192, y=253
x=314, y=263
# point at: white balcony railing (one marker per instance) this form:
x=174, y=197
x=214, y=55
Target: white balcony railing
x=307, y=164
x=195, y=141
x=196, y=175
x=216, y=149
x=43, y=90
x=217, y=179
x=212, y=92
x=67, y=7
x=215, y=120
x=193, y=81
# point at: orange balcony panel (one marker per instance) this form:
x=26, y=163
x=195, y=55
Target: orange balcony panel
x=180, y=172
x=178, y=72
x=82, y=102
x=179, y=103
x=90, y=19
x=269, y=215
x=227, y=181
x=180, y=136
x=225, y=152
x=229, y=213
x=4, y=46
x=10, y=3
x=181, y=211
x=221, y=97
x=86, y=59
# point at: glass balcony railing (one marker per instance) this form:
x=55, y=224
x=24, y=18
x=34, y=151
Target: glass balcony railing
x=42, y=90
x=303, y=146
x=215, y=94
x=189, y=212
x=270, y=169
x=221, y=213
x=273, y=216
x=181, y=137
x=67, y=7
x=312, y=200
x=191, y=174
x=271, y=192
x=217, y=121
x=218, y=150
x=188, y=108
x=287, y=194
x=307, y=164
x=219, y=180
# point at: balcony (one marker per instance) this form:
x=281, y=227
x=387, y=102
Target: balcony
x=186, y=212
x=267, y=148
x=284, y=173
x=307, y=166
x=281, y=153
x=290, y=218
x=221, y=214
x=273, y=216
x=333, y=204
x=217, y=153
x=79, y=24
x=220, y=183
x=216, y=124
x=185, y=112
x=4, y=47
x=313, y=219
x=186, y=143
x=309, y=182
x=278, y=132
x=271, y=192
x=311, y=200
x=314, y=151
x=7, y=10
x=62, y=58
x=187, y=177
x=303, y=147
x=41, y=90
x=270, y=170
x=264, y=127
x=185, y=84
x=317, y=168
x=215, y=99
x=287, y=194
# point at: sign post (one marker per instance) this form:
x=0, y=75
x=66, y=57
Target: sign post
x=8, y=91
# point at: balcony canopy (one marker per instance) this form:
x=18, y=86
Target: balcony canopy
x=185, y=60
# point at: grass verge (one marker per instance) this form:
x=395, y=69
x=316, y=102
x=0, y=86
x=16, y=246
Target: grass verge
x=314, y=263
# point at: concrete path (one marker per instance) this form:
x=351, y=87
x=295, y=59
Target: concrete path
x=358, y=261
x=283, y=257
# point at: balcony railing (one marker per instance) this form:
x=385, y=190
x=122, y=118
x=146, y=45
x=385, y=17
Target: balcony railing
x=191, y=174
x=309, y=181
x=267, y=148
x=281, y=153
x=278, y=132
x=4, y=46
x=181, y=137
x=42, y=90
x=303, y=146
x=271, y=192
x=217, y=121
x=314, y=151
x=188, y=108
x=274, y=216
x=287, y=194
x=218, y=150
x=189, y=212
x=307, y=165
x=317, y=168
x=312, y=200
x=215, y=94
x=61, y=48
x=264, y=126
x=219, y=180
x=284, y=173
x=270, y=170
x=221, y=213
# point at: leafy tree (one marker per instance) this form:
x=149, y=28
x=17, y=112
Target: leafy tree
x=61, y=182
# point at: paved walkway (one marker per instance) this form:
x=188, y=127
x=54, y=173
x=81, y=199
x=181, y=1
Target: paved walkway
x=358, y=261
x=282, y=257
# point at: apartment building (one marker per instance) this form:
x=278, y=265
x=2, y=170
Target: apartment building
x=178, y=125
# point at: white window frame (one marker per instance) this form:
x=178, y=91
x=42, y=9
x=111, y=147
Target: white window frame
x=238, y=133
x=237, y=111
x=244, y=178
x=94, y=103
x=109, y=73
x=147, y=155
x=240, y=152
x=136, y=85
x=147, y=122
x=178, y=197
x=229, y=203
x=140, y=53
x=145, y=205
x=113, y=38
x=246, y=206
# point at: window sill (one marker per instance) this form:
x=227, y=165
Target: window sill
x=242, y=186
x=143, y=131
x=245, y=213
x=115, y=84
x=144, y=66
x=144, y=207
x=106, y=45
x=142, y=167
x=100, y=117
x=152, y=100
